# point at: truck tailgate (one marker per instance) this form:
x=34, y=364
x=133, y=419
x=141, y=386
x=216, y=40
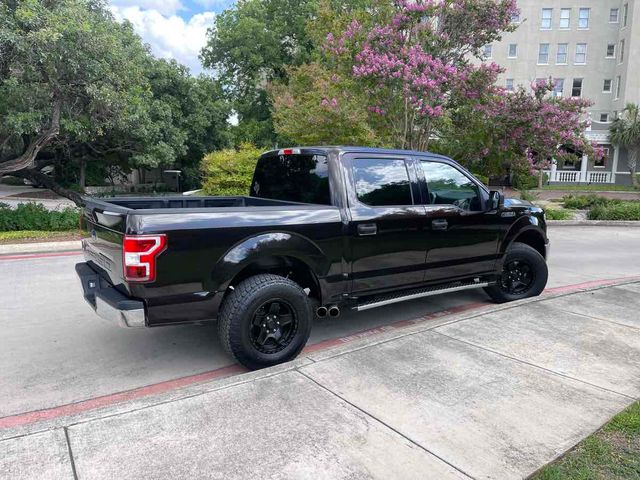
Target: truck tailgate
x=103, y=230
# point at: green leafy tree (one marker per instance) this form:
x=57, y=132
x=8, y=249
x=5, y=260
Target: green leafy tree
x=251, y=44
x=625, y=132
x=66, y=70
x=230, y=171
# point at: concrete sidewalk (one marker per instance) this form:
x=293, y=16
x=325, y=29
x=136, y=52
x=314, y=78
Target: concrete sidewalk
x=494, y=394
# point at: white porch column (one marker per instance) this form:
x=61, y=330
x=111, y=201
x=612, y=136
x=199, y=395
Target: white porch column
x=583, y=169
x=614, y=166
x=554, y=168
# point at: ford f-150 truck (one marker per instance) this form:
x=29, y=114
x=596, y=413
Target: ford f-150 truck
x=322, y=229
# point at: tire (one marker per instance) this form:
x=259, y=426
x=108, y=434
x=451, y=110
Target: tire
x=520, y=258
x=251, y=322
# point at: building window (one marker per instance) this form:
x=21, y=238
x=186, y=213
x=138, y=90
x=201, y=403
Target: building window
x=543, y=54
x=558, y=87
x=515, y=18
x=614, y=15
x=545, y=18
x=606, y=87
x=604, y=118
x=565, y=18
x=611, y=50
x=581, y=54
x=625, y=14
x=583, y=18
x=561, y=54
x=618, y=82
x=509, y=85
x=487, y=51
x=602, y=162
x=622, y=50
x=513, y=50
x=576, y=89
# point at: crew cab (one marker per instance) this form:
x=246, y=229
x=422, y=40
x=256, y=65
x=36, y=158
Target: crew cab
x=321, y=230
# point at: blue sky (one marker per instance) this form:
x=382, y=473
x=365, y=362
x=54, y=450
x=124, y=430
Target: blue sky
x=173, y=28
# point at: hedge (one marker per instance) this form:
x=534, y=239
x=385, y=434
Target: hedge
x=34, y=216
x=616, y=211
x=585, y=202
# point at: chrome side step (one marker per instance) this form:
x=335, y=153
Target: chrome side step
x=427, y=292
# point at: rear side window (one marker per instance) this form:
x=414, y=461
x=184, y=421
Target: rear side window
x=294, y=178
x=382, y=182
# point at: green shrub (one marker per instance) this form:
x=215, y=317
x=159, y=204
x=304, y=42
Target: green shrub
x=229, y=171
x=585, y=202
x=15, y=181
x=34, y=216
x=556, y=214
x=616, y=211
x=527, y=195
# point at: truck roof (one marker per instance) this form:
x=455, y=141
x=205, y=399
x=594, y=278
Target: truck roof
x=355, y=148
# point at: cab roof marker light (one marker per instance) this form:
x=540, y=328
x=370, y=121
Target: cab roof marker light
x=289, y=151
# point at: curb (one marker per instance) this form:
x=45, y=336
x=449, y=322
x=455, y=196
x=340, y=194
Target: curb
x=44, y=247
x=593, y=223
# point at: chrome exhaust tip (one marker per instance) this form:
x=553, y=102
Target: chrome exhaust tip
x=321, y=312
x=334, y=311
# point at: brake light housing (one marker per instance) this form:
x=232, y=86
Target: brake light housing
x=139, y=255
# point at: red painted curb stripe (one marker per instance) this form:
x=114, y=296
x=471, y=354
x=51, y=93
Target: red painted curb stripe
x=28, y=418
x=28, y=256
x=106, y=400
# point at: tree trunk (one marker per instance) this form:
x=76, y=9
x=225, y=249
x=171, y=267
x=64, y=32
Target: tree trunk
x=632, y=163
x=27, y=159
x=540, y=179
x=83, y=173
x=50, y=183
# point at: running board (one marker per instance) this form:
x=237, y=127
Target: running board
x=425, y=292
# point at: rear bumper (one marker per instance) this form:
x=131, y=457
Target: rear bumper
x=108, y=302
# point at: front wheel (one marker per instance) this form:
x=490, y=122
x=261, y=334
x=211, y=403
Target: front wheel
x=264, y=321
x=524, y=274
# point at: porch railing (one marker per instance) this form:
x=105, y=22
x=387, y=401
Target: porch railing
x=575, y=176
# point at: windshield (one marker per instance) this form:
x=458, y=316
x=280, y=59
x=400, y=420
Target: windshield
x=294, y=178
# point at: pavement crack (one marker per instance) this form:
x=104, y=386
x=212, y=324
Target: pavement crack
x=71, y=459
x=593, y=317
x=382, y=422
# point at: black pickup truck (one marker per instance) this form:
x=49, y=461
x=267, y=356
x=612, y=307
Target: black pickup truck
x=323, y=229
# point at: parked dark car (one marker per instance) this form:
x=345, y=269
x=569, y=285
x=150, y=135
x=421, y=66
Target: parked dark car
x=322, y=229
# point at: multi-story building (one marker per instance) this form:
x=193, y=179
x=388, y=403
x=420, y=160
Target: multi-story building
x=591, y=49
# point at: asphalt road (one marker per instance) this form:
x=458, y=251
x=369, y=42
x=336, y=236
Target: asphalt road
x=55, y=351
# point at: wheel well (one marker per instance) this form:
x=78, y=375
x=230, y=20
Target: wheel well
x=288, y=267
x=533, y=239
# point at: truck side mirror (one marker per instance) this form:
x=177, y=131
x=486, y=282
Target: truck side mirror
x=496, y=200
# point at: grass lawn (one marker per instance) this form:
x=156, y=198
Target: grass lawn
x=611, y=453
x=28, y=236
x=591, y=188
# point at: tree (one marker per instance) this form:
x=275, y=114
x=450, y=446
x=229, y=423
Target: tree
x=81, y=91
x=66, y=69
x=251, y=44
x=625, y=132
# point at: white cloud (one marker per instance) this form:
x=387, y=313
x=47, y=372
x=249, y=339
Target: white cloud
x=170, y=36
x=165, y=7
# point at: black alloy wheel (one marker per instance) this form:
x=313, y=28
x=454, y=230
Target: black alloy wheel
x=273, y=327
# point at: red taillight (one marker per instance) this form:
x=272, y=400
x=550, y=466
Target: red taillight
x=139, y=253
x=289, y=151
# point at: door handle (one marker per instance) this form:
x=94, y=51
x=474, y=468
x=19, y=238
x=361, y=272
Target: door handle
x=367, y=229
x=439, y=224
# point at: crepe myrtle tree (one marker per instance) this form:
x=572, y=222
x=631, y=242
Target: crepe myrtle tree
x=521, y=131
x=411, y=64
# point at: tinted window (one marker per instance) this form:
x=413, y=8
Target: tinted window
x=294, y=178
x=382, y=182
x=448, y=185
